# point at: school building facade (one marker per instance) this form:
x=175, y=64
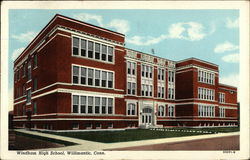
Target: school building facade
x=75, y=75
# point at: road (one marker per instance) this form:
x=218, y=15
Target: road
x=221, y=143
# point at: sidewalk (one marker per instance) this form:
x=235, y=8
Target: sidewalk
x=90, y=145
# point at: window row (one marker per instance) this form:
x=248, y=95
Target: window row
x=92, y=77
x=161, y=91
x=131, y=68
x=206, y=94
x=25, y=71
x=171, y=76
x=170, y=113
x=92, y=105
x=131, y=88
x=146, y=90
x=206, y=77
x=206, y=111
x=161, y=74
x=90, y=49
x=147, y=71
x=221, y=97
x=222, y=112
x=171, y=93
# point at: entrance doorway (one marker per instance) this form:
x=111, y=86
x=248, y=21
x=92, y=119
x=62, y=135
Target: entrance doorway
x=146, y=116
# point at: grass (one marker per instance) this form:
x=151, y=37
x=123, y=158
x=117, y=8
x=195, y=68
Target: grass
x=139, y=134
x=66, y=143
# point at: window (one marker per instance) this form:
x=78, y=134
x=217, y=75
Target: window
x=104, y=103
x=24, y=70
x=98, y=125
x=83, y=104
x=206, y=111
x=90, y=49
x=171, y=93
x=133, y=67
x=24, y=111
x=131, y=109
x=222, y=112
x=159, y=91
x=90, y=104
x=161, y=74
x=83, y=75
x=88, y=125
x=171, y=76
x=34, y=107
x=75, y=46
x=147, y=71
x=75, y=74
x=131, y=88
x=24, y=89
x=206, y=94
x=97, y=50
x=29, y=70
x=221, y=97
x=110, y=125
x=97, y=105
x=110, y=80
x=129, y=67
x=75, y=104
x=171, y=111
x=83, y=47
x=28, y=100
x=90, y=76
x=143, y=70
x=110, y=54
x=110, y=106
x=104, y=78
x=35, y=61
x=147, y=90
x=161, y=111
x=75, y=125
x=35, y=84
x=205, y=77
x=150, y=72
x=104, y=52
x=97, y=77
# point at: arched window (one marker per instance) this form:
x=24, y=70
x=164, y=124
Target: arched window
x=131, y=109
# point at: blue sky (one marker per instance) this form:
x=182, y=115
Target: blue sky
x=211, y=35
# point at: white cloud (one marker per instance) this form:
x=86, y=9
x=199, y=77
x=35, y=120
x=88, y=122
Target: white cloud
x=231, y=58
x=226, y=46
x=25, y=37
x=16, y=53
x=145, y=41
x=120, y=25
x=230, y=23
x=191, y=31
x=231, y=79
x=87, y=17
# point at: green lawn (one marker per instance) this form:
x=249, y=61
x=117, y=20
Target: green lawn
x=138, y=134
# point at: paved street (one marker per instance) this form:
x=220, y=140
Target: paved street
x=221, y=143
